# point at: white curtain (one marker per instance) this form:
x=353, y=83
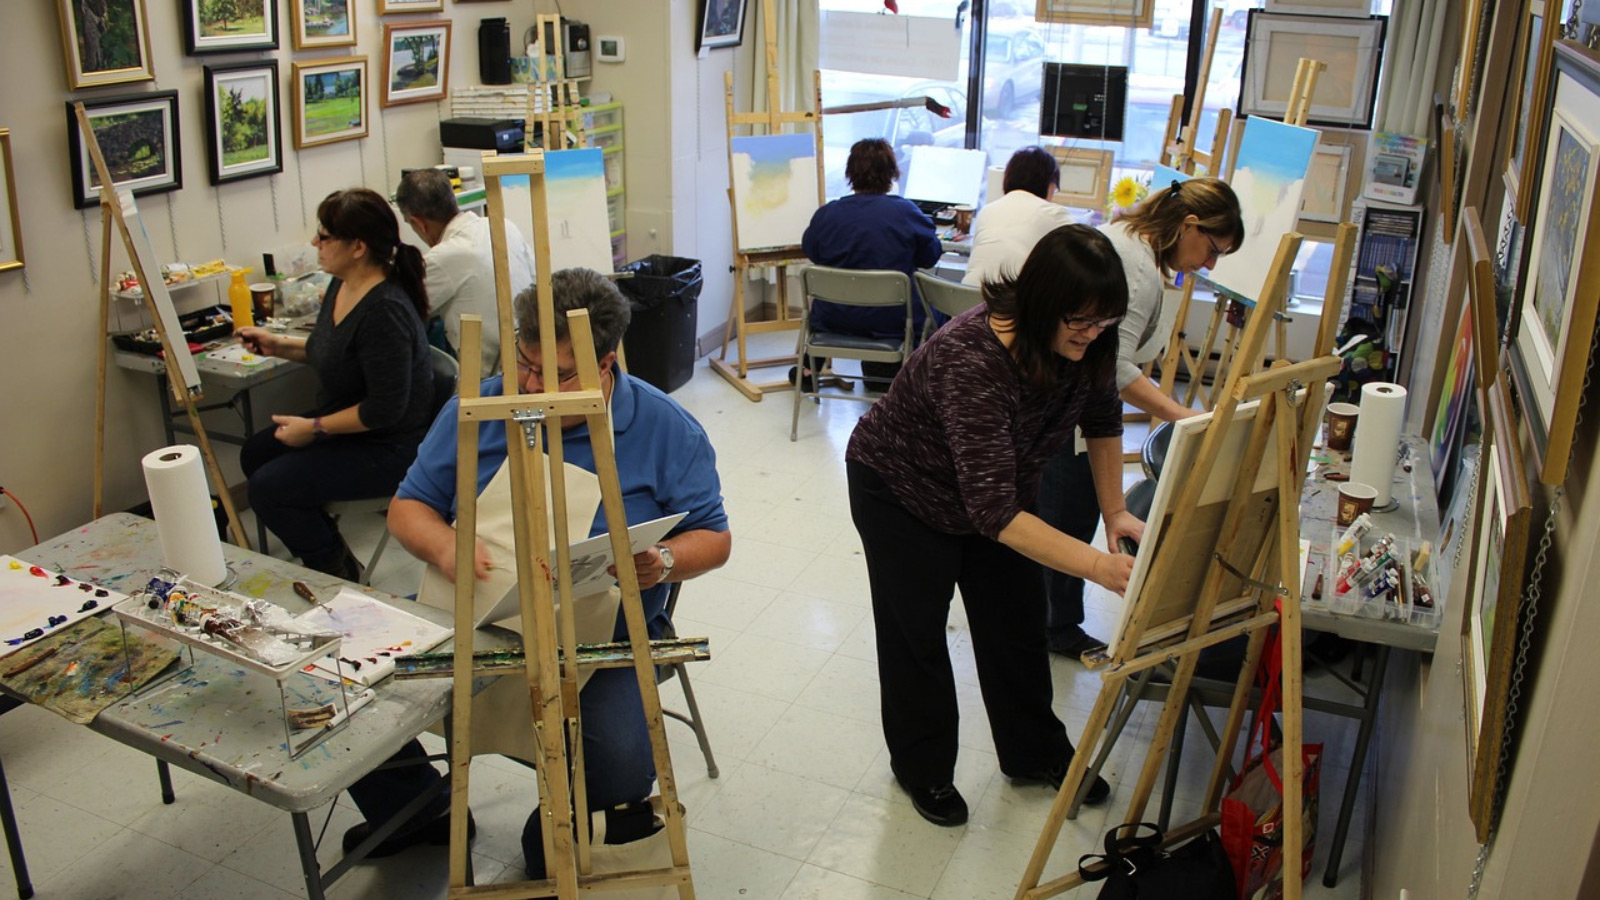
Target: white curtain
x=799, y=25
x=1416, y=34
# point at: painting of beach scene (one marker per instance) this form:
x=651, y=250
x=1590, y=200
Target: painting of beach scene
x=774, y=189
x=575, y=197
x=1269, y=175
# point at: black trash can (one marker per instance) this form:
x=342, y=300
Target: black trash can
x=664, y=292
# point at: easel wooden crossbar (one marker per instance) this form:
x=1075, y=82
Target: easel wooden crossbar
x=738, y=328
x=116, y=207
x=1242, y=538
x=549, y=637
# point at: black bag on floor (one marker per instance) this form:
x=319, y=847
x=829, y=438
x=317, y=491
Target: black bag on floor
x=1134, y=867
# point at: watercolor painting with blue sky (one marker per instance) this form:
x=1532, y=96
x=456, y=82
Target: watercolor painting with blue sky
x=1269, y=175
x=774, y=189
x=575, y=194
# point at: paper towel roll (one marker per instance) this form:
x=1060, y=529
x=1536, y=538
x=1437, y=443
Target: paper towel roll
x=994, y=184
x=1383, y=413
x=181, y=501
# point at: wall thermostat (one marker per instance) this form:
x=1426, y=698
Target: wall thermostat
x=610, y=48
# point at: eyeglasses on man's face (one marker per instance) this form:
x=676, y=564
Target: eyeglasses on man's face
x=1078, y=324
x=526, y=368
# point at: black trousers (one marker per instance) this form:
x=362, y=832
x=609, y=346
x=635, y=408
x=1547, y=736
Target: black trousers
x=1067, y=503
x=914, y=571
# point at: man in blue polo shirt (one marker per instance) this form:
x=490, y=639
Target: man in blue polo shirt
x=666, y=466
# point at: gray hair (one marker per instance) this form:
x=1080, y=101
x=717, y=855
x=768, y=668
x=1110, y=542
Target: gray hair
x=426, y=194
x=609, y=312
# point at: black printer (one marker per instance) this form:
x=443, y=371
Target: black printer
x=500, y=135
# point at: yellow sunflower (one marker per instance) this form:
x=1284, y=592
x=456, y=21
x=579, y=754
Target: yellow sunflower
x=1127, y=192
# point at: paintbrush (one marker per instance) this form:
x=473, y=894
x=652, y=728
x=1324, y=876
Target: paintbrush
x=304, y=590
x=32, y=661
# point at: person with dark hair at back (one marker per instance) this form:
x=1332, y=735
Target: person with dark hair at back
x=1183, y=227
x=460, y=261
x=870, y=229
x=943, y=473
x=666, y=466
x=1005, y=230
x=375, y=384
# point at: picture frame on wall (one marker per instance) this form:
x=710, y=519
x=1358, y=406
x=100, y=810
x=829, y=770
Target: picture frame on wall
x=1126, y=13
x=1531, y=76
x=244, y=121
x=1554, y=318
x=721, y=24
x=1354, y=9
x=1346, y=91
x=1494, y=592
x=211, y=27
x=1085, y=176
x=416, y=62
x=324, y=23
x=1334, y=180
x=138, y=135
x=398, y=7
x=330, y=101
x=1480, y=298
x=11, y=256
x=105, y=42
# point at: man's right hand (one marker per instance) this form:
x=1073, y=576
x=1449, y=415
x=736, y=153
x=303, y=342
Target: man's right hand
x=482, y=565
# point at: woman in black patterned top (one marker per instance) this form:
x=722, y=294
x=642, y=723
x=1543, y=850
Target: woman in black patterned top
x=375, y=384
x=943, y=473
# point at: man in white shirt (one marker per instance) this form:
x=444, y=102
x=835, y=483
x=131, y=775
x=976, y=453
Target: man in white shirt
x=1008, y=226
x=460, y=259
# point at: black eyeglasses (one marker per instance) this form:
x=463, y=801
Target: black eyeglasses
x=1216, y=252
x=1076, y=324
x=323, y=237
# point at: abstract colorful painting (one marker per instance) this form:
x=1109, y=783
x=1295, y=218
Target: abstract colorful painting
x=1269, y=175
x=575, y=199
x=774, y=189
x=1447, y=436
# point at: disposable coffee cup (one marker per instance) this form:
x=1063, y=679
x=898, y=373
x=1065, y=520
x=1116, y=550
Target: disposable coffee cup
x=1342, y=425
x=1355, y=498
x=963, y=218
x=261, y=296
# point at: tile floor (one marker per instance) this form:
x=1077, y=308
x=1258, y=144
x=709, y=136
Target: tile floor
x=805, y=808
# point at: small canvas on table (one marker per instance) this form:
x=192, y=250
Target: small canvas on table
x=575, y=199
x=774, y=189
x=1269, y=175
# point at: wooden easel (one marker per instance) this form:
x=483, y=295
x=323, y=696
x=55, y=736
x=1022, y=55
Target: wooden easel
x=186, y=390
x=1179, y=149
x=1250, y=581
x=738, y=373
x=550, y=638
x=1178, y=353
x=553, y=101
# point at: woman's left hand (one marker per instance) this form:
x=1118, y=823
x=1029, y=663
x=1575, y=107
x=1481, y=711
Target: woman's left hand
x=1122, y=524
x=295, y=431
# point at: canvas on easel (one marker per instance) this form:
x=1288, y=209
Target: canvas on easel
x=1221, y=561
x=774, y=189
x=575, y=187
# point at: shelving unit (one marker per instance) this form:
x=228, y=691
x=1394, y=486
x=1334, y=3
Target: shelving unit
x=602, y=128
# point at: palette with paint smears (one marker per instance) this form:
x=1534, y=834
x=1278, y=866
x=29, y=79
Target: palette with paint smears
x=138, y=611
x=35, y=602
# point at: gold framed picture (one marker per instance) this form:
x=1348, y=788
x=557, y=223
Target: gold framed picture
x=105, y=42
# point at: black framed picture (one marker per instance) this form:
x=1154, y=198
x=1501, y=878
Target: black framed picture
x=721, y=23
x=210, y=26
x=244, y=121
x=138, y=135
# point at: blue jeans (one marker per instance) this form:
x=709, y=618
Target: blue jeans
x=618, y=765
x=1067, y=502
x=289, y=486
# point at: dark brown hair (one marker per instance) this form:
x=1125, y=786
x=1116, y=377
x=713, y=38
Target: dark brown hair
x=1159, y=219
x=361, y=214
x=1032, y=169
x=1073, y=272
x=871, y=168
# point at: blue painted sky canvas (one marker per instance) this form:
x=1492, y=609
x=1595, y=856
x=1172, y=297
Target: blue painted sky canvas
x=1269, y=175
x=774, y=188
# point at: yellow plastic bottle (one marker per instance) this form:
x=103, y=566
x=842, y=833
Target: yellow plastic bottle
x=239, y=300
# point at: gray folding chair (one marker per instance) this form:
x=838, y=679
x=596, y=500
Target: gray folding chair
x=848, y=287
x=677, y=670
x=949, y=298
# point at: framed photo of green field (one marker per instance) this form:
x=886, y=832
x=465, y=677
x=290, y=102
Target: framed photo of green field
x=10, y=220
x=226, y=26
x=416, y=62
x=324, y=23
x=330, y=101
x=138, y=135
x=105, y=42
x=244, y=125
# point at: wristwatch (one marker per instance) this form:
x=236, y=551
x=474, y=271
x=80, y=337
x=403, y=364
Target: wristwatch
x=666, y=560
x=317, y=431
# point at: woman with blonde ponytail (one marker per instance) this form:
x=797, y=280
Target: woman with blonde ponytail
x=375, y=384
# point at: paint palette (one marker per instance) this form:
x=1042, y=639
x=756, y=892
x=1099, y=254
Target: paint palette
x=35, y=602
x=374, y=635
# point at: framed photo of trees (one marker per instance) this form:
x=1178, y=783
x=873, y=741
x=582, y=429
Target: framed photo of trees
x=244, y=123
x=324, y=23
x=416, y=62
x=138, y=135
x=105, y=42
x=330, y=101
x=227, y=26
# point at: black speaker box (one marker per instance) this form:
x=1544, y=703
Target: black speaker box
x=494, y=51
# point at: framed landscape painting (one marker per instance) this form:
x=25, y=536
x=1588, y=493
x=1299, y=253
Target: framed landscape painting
x=244, y=125
x=416, y=62
x=138, y=135
x=10, y=221
x=227, y=26
x=1555, y=317
x=105, y=42
x=324, y=23
x=330, y=101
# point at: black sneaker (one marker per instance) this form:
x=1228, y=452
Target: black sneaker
x=1053, y=776
x=940, y=805
x=435, y=832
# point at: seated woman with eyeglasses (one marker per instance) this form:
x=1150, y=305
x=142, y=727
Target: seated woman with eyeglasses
x=943, y=472
x=1184, y=227
x=375, y=384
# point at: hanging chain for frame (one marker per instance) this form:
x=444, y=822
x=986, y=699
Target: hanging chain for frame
x=1532, y=595
x=172, y=230
x=300, y=173
x=383, y=129
x=272, y=181
x=88, y=248
x=1574, y=24
x=222, y=226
